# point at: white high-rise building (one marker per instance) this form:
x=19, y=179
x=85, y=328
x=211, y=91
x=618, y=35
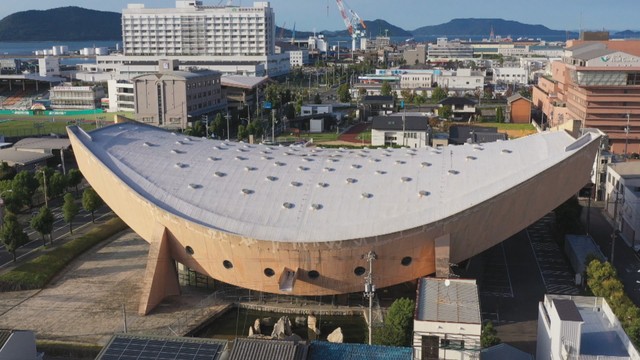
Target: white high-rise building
x=195, y=29
x=235, y=40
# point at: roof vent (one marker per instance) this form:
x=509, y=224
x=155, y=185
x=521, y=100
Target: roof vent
x=247, y=191
x=454, y=172
x=288, y=205
x=356, y=166
x=323, y=184
x=241, y=158
x=366, y=195
x=187, y=139
x=351, y=181
x=405, y=179
x=328, y=169
x=308, y=159
x=219, y=174
x=506, y=151
x=374, y=160
x=400, y=162
x=241, y=150
x=176, y=151
x=332, y=160
x=279, y=163
x=195, y=186
x=303, y=168
x=267, y=158
x=471, y=157
x=272, y=178
x=423, y=193
x=380, y=172
x=250, y=168
x=213, y=158
x=296, y=183
x=425, y=164
x=146, y=143
x=179, y=142
x=288, y=153
x=216, y=148
x=478, y=148
x=316, y=206
x=181, y=165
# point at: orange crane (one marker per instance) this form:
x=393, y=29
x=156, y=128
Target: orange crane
x=352, y=21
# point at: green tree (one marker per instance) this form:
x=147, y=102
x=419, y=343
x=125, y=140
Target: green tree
x=6, y=172
x=445, y=112
x=499, y=114
x=385, y=89
x=343, y=93
x=57, y=185
x=438, y=94
x=419, y=100
x=74, y=178
x=242, y=132
x=91, y=201
x=489, y=336
x=398, y=324
x=407, y=95
x=317, y=99
x=43, y=174
x=27, y=183
x=43, y=223
x=69, y=210
x=12, y=234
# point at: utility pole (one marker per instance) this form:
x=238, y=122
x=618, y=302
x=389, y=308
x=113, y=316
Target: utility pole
x=273, y=126
x=227, y=117
x=44, y=184
x=370, y=288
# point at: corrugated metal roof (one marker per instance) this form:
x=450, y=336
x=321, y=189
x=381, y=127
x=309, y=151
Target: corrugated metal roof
x=260, y=349
x=448, y=300
x=320, y=350
x=204, y=181
x=411, y=123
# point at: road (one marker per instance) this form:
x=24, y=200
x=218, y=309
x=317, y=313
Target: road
x=60, y=229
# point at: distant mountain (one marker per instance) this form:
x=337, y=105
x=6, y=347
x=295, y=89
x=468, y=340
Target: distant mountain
x=627, y=34
x=61, y=24
x=482, y=27
x=374, y=28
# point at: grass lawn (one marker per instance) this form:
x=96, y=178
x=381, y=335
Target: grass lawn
x=21, y=125
x=508, y=126
x=317, y=138
x=36, y=273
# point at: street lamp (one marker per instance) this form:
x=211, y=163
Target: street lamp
x=228, y=116
x=370, y=288
x=2, y=206
x=44, y=185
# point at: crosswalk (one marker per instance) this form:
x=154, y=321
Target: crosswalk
x=557, y=275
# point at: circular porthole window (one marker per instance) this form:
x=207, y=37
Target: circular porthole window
x=227, y=264
x=359, y=271
x=269, y=272
x=189, y=250
x=313, y=274
x=406, y=261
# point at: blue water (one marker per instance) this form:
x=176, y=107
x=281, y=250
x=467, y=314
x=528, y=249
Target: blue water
x=28, y=47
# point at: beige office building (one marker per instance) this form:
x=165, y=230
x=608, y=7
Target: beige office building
x=169, y=98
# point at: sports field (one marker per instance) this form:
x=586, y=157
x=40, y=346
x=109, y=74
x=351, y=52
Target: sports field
x=17, y=125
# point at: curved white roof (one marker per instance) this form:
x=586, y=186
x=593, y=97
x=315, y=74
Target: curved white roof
x=296, y=194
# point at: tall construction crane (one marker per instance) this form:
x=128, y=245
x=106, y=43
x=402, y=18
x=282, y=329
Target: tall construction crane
x=353, y=22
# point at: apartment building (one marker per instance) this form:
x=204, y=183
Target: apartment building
x=599, y=85
x=193, y=29
x=121, y=96
x=445, y=49
x=76, y=97
x=235, y=40
x=168, y=98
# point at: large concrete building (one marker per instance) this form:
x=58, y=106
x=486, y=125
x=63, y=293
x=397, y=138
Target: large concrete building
x=298, y=220
x=236, y=40
x=168, y=98
x=598, y=84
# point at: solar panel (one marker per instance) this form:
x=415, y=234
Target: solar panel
x=128, y=347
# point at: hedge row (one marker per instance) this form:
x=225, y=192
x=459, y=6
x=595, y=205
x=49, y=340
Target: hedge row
x=37, y=273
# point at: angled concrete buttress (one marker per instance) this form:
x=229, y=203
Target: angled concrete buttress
x=161, y=277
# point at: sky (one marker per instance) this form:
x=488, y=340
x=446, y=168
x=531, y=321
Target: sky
x=310, y=15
